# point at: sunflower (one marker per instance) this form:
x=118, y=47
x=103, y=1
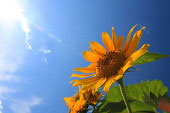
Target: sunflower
x=110, y=63
x=76, y=104
x=91, y=96
x=80, y=101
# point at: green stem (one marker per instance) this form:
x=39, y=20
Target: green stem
x=122, y=90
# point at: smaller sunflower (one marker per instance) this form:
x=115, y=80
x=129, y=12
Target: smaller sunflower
x=110, y=63
x=80, y=101
x=91, y=96
x=76, y=104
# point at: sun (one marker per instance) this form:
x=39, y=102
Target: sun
x=9, y=10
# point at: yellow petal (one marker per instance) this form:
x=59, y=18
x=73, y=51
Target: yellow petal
x=99, y=83
x=125, y=67
x=73, y=111
x=95, y=85
x=120, y=41
x=83, y=81
x=130, y=32
x=85, y=69
x=90, y=69
x=93, y=65
x=115, y=44
x=99, y=54
x=134, y=42
x=127, y=43
x=81, y=75
x=82, y=100
x=139, y=52
x=96, y=46
x=133, y=45
x=108, y=84
x=90, y=57
x=89, y=86
x=69, y=101
x=108, y=42
x=110, y=81
x=139, y=33
x=79, y=104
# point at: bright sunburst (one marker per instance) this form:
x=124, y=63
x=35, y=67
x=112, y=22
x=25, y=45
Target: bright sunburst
x=10, y=13
x=9, y=10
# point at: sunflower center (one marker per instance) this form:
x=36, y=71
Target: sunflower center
x=110, y=63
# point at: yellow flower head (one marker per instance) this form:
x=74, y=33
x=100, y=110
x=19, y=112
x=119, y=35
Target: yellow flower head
x=76, y=103
x=91, y=96
x=80, y=101
x=110, y=63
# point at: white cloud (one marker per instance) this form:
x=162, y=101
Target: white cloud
x=26, y=29
x=44, y=59
x=6, y=90
x=4, y=95
x=11, y=58
x=25, y=105
x=1, y=107
x=44, y=50
x=9, y=77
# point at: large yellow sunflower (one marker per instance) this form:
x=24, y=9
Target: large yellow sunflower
x=110, y=63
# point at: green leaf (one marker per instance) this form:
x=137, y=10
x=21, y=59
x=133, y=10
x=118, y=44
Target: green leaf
x=110, y=107
x=113, y=102
x=143, y=98
x=138, y=106
x=149, y=57
x=137, y=91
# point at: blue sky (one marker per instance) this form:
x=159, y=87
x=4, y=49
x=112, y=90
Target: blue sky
x=39, y=48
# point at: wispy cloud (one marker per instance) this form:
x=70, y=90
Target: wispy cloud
x=6, y=90
x=9, y=77
x=44, y=59
x=44, y=50
x=25, y=105
x=24, y=23
x=11, y=58
x=26, y=29
x=1, y=107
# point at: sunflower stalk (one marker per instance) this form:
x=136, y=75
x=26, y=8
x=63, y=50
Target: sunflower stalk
x=122, y=90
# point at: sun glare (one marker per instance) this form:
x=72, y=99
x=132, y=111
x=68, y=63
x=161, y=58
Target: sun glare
x=9, y=10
